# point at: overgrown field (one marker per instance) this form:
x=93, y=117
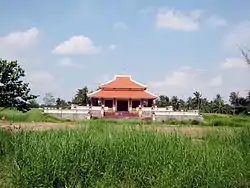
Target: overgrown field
x=106, y=154
x=34, y=115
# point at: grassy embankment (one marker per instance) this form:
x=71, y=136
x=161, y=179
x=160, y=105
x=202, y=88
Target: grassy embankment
x=36, y=115
x=107, y=155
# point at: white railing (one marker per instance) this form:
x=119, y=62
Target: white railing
x=176, y=113
x=64, y=111
x=145, y=110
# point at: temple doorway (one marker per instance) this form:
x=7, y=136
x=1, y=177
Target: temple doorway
x=108, y=103
x=122, y=105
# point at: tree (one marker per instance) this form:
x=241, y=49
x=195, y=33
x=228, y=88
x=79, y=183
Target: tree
x=182, y=104
x=13, y=91
x=60, y=103
x=81, y=97
x=245, y=54
x=219, y=105
x=190, y=103
x=197, y=100
x=175, y=102
x=162, y=101
x=49, y=100
x=33, y=104
x=234, y=100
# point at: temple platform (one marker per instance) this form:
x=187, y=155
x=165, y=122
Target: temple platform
x=121, y=114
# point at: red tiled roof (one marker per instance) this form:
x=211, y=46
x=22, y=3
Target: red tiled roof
x=123, y=82
x=122, y=94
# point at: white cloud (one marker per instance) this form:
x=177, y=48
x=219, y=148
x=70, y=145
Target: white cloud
x=120, y=26
x=186, y=80
x=76, y=45
x=216, y=21
x=177, y=20
x=112, y=47
x=232, y=63
x=181, y=82
x=20, y=39
x=216, y=81
x=179, y=79
x=14, y=44
x=238, y=37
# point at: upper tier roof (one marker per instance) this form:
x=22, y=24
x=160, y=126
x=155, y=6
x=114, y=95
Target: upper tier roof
x=122, y=94
x=123, y=82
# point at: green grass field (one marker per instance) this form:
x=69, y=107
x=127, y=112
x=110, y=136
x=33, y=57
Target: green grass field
x=34, y=115
x=109, y=155
x=125, y=153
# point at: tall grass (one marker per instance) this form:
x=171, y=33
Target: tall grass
x=34, y=115
x=110, y=155
x=227, y=120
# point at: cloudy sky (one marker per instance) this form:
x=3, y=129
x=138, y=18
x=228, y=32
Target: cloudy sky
x=175, y=47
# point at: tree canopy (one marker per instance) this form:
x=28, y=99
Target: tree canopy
x=14, y=92
x=49, y=100
x=81, y=97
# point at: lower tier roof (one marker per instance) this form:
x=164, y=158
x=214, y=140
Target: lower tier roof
x=122, y=94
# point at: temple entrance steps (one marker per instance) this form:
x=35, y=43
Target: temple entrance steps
x=120, y=114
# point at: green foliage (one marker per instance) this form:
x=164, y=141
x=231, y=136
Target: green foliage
x=49, y=100
x=106, y=155
x=60, y=103
x=33, y=104
x=34, y=115
x=227, y=120
x=239, y=105
x=81, y=97
x=13, y=91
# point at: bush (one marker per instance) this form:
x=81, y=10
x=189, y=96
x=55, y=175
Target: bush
x=195, y=122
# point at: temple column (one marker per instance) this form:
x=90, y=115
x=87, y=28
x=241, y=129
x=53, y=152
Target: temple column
x=129, y=105
x=114, y=105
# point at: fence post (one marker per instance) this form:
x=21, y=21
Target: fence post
x=102, y=111
x=153, y=113
x=140, y=111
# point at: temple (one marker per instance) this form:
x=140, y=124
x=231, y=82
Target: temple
x=122, y=94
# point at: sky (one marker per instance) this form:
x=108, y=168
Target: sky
x=175, y=47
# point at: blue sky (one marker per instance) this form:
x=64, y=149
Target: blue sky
x=175, y=47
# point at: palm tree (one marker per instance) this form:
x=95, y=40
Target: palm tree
x=219, y=105
x=190, y=103
x=175, y=102
x=206, y=106
x=182, y=104
x=246, y=55
x=197, y=99
x=234, y=99
x=162, y=101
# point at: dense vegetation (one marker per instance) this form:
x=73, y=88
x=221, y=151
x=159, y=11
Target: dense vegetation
x=13, y=91
x=33, y=115
x=100, y=154
x=238, y=104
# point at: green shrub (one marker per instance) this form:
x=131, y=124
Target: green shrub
x=195, y=122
